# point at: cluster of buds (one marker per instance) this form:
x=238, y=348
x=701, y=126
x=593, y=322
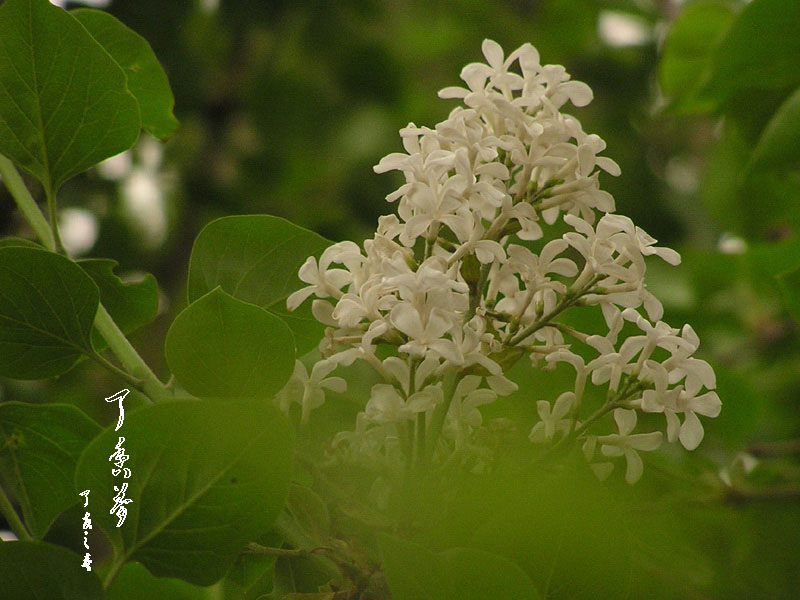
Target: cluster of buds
x=471, y=276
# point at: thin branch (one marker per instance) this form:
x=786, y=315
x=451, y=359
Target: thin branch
x=16, y=524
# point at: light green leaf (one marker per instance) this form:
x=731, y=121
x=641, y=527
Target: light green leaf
x=779, y=144
x=39, y=447
x=685, y=57
x=146, y=78
x=31, y=570
x=415, y=573
x=256, y=258
x=64, y=102
x=134, y=582
x=131, y=305
x=47, y=308
x=207, y=477
x=760, y=51
x=222, y=347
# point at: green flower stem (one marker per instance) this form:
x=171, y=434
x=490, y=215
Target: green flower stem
x=569, y=300
x=53, y=209
x=128, y=356
x=136, y=368
x=440, y=412
x=26, y=203
x=17, y=526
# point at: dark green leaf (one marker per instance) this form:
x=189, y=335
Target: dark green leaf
x=39, y=447
x=222, y=347
x=134, y=582
x=64, y=102
x=131, y=305
x=779, y=144
x=146, y=79
x=47, y=308
x=760, y=51
x=207, y=477
x=685, y=58
x=32, y=570
x=256, y=258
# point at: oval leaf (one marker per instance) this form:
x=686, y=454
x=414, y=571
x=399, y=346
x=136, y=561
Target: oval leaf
x=65, y=105
x=39, y=448
x=207, y=477
x=256, y=258
x=39, y=570
x=146, y=78
x=222, y=347
x=47, y=308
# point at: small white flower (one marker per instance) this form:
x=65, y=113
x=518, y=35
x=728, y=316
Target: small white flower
x=627, y=444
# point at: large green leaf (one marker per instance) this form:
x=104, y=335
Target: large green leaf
x=134, y=582
x=779, y=144
x=686, y=54
x=32, y=570
x=760, y=51
x=207, y=477
x=256, y=258
x=220, y=346
x=47, y=308
x=64, y=102
x=131, y=305
x=146, y=79
x=39, y=447
x=415, y=573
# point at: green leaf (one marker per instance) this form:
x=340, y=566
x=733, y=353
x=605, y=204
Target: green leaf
x=415, y=573
x=47, y=308
x=64, y=102
x=256, y=258
x=222, y=347
x=779, y=144
x=760, y=51
x=39, y=570
x=135, y=582
x=685, y=58
x=39, y=447
x=790, y=286
x=207, y=477
x=146, y=78
x=131, y=305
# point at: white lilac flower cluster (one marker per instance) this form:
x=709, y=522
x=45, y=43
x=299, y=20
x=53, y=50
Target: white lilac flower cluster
x=470, y=276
